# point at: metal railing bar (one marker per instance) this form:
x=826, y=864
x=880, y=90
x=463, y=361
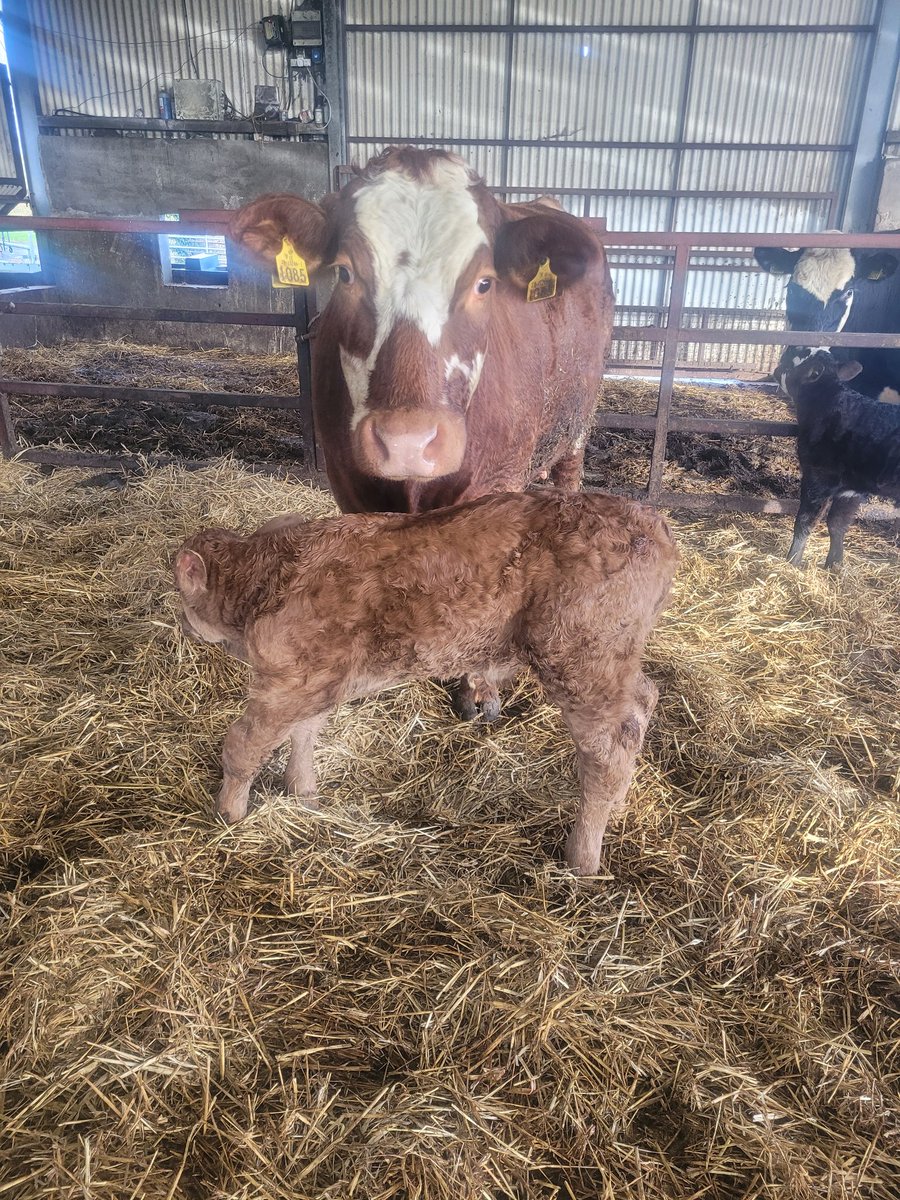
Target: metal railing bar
x=193, y=399
x=112, y=312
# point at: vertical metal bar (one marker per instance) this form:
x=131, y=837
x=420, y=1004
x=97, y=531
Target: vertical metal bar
x=863, y=182
x=667, y=370
x=304, y=374
x=17, y=32
x=11, y=128
x=682, y=110
x=336, y=79
x=681, y=126
x=506, y=116
x=9, y=443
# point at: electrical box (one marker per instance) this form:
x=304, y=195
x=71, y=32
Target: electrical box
x=306, y=25
x=199, y=99
x=274, y=31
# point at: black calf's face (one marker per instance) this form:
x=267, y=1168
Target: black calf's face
x=822, y=282
x=798, y=367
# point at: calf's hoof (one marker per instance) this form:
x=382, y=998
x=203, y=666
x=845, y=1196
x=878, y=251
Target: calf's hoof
x=471, y=700
x=231, y=813
x=582, y=858
x=230, y=806
x=307, y=800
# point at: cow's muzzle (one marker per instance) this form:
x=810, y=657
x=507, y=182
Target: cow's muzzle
x=411, y=444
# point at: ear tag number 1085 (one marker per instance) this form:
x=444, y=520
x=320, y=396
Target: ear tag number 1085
x=543, y=286
x=290, y=267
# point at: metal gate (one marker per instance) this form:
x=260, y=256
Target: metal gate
x=698, y=115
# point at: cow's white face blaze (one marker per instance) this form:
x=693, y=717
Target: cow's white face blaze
x=421, y=234
x=823, y=271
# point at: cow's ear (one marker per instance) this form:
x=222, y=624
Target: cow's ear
x=262, y=226
x=880, y=264
x=849, y=370
x=522, y=245
x=190, y=574
x=777, y=261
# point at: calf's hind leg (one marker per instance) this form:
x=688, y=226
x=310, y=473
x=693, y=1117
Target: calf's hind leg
x=841, y=516
x=608, y=737
x=300, y=772
x=814, y=495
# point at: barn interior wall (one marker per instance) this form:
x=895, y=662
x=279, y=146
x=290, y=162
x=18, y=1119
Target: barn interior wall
x=141, y=177
x=112, y=59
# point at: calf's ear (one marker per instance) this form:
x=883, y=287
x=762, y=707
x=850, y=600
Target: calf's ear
x=522, y=245
x=849, y=370
x=190, y=574
x=880, y=264
x=262, y=226
x=777, y=261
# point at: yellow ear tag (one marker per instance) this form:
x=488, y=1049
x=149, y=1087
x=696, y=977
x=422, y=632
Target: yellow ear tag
x=543, y=286
x=290, y=267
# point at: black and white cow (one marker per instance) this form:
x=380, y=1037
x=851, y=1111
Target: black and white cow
x=854, y=291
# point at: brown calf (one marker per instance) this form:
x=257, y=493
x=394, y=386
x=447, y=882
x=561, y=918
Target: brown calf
x=328, y=610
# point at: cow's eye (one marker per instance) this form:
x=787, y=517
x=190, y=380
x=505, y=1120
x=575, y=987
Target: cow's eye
x=345, y=274
x=483, y=285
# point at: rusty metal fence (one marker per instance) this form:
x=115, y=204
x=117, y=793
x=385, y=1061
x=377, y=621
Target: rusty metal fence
x=16, y=304
x=675, y=251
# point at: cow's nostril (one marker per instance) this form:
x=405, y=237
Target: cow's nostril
x=380, y=444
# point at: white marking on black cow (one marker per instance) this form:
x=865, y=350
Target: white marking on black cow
x=824, y=270
x=848, y=304
x=421, y=234
x=889, y=395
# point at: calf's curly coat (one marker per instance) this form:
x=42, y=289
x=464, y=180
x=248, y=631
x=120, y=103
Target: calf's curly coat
x=328, y=610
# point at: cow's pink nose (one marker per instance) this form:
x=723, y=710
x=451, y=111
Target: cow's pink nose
x=410, y=443
x=405, y=455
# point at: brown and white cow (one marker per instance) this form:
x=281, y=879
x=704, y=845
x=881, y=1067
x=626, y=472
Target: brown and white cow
x=434, y=379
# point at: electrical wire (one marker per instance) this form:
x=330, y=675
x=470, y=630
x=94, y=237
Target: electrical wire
x=324, y=97
x=148, y=82
x=187, y=38
x=106, y=41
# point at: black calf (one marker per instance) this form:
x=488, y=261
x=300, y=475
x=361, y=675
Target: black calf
x=847, y=443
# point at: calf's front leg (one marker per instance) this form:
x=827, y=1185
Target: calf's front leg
x=248, y=743
x=608, y=739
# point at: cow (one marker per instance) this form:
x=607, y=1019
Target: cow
x=435, y=380
x=855, y=291
x=332, y=609
x=848, y=445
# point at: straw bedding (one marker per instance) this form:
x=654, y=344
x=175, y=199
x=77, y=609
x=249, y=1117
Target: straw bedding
x=405, y=995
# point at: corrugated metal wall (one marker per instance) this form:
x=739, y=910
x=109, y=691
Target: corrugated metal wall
x=112, y=57
x=677, y=121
